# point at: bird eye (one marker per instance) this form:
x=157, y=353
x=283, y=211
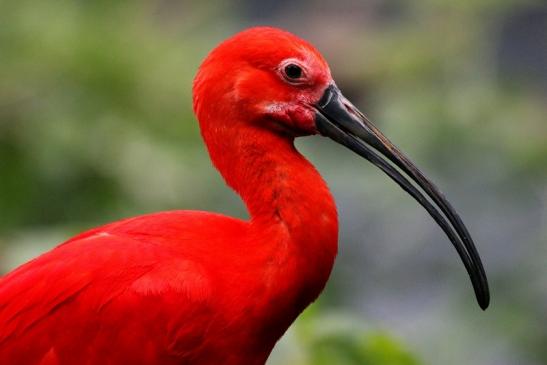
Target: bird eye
x=293, y=72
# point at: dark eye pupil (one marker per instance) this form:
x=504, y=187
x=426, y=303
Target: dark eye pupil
x=293, y=71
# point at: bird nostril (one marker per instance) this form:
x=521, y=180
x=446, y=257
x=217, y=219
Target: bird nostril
x=350, y=109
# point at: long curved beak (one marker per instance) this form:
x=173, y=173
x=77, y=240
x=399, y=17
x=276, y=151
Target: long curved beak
x=341, y=121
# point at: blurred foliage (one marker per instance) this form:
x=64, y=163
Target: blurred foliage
x=77, y=76
x=96, y=124
x=325, y=339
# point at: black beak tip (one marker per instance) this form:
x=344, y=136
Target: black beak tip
x=484, y=301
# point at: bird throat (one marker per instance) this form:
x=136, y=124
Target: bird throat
x=277, y=183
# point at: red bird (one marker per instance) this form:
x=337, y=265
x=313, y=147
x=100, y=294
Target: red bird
x=188, y=287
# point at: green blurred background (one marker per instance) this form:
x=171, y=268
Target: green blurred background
x=96, y=125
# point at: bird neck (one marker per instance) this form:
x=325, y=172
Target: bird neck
x=293, y=220
x=279, y=186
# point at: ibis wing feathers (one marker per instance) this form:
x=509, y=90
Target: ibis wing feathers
x=98, y=289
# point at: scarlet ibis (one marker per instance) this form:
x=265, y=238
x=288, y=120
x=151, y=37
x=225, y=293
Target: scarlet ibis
x=190, y=287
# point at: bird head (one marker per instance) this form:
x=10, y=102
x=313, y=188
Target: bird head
x=270, y=80
x=264, y=76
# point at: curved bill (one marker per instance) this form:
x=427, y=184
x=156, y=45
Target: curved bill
x=341, y=121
